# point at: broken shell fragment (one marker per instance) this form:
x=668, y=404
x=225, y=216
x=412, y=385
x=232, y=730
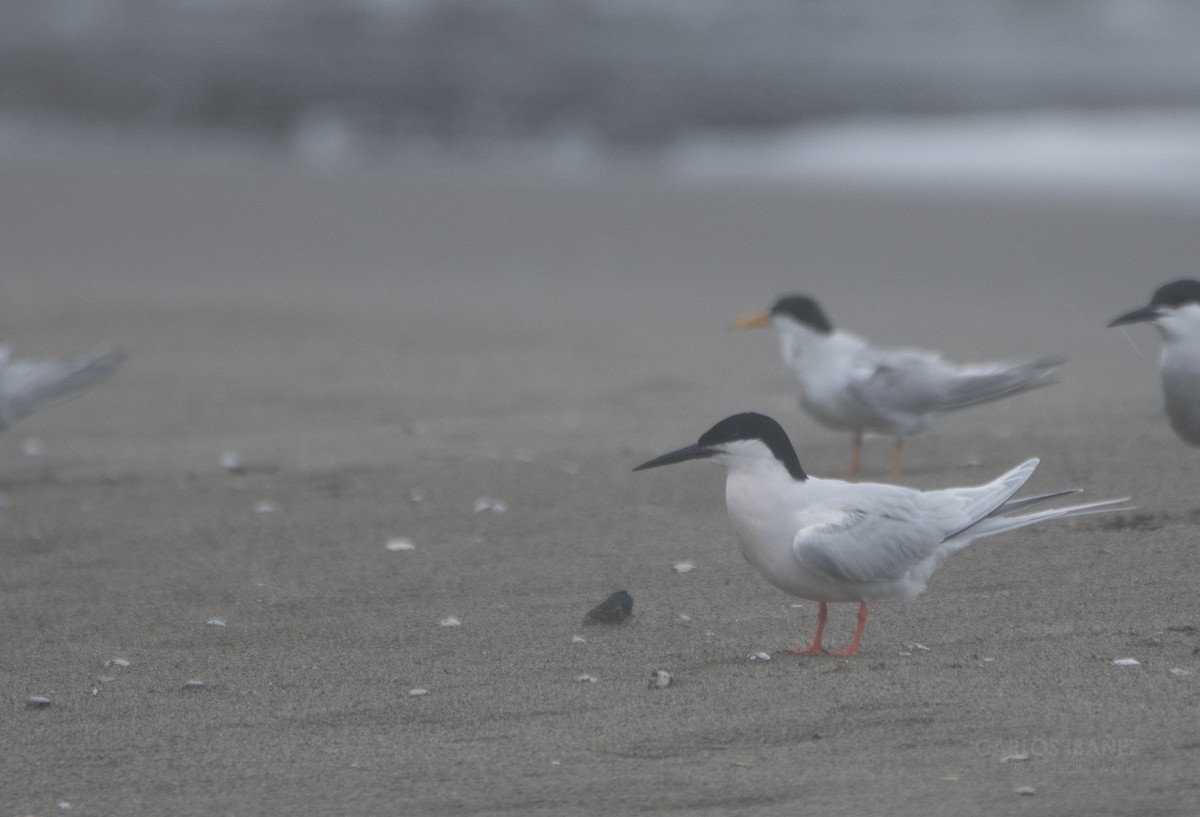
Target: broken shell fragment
x=660, y=679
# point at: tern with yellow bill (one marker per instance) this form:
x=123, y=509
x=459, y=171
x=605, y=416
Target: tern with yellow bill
x=848, y=384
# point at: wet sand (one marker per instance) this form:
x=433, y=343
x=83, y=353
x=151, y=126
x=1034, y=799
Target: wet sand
x=383, y=349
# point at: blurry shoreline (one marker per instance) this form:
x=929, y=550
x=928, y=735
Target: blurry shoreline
x=1137, y=157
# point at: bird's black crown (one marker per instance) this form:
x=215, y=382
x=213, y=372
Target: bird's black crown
x=1177, y=293
x=805, y=310
x=752, y=426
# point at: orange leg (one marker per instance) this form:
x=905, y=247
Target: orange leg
x=816, y=648
x=862, y=622
x=855, y=458
x=897, y=457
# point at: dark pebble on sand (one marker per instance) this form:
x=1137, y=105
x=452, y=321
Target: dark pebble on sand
x=613, y=610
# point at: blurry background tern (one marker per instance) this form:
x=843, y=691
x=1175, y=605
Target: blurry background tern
x=27, y=386
x=848, y=384
x=1175, y=312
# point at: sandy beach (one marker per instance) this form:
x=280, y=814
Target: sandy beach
x=383, y=349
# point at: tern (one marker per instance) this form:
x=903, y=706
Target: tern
x=27, y=386
x=1175, y=312
x=848, y=384
x=827, y=540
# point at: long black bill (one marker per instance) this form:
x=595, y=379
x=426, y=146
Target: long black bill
x=1146, y=313
x=692, y=452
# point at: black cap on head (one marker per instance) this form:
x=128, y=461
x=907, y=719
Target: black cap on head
x=804, y=310
x=752, y=426
x=1177, y=293
x=748, y=426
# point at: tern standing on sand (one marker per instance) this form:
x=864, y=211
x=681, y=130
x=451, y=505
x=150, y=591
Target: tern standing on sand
x=832, y=541
x=848, y=384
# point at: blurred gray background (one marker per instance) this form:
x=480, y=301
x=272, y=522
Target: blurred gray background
x=573, y=81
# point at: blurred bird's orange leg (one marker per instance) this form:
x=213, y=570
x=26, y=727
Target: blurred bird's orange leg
x=855, y=458
x=897, y=457
x=862, y=622
x=816, y=648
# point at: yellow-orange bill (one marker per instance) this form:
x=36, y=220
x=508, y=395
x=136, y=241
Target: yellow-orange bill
x=756, y=321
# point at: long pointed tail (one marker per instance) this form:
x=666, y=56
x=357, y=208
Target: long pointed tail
x=27, y=386
x=995, y=524
x=979, y=383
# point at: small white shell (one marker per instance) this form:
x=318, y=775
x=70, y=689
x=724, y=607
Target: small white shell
x=584, y=678
x=215, y=622
x=578, y=639
x=116, y=662
x=683, y=618
x=1025, y=791
x=1177, y=671
x=487, y=503
x=37, y=702
x=1127, y=662
x=451, y=622
x=660, y=679
x=417, y=693
x=193, y=684
x=397, y=543
x=759, y=656
x=684, y=567
x=916, y=648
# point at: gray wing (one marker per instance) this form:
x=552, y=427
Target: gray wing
x=902, y=381
x=29, y=385
x=878, y=539
x=908, y=381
